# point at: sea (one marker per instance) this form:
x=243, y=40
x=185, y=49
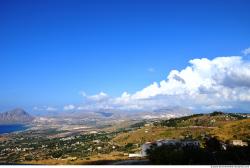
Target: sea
x=9, y=128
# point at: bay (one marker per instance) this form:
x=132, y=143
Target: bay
x=8, y=128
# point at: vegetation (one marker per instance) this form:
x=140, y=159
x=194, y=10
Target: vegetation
x=216, y=113
x=138, y=125
x=239, y=129
x=153, y=133
x=212, y=154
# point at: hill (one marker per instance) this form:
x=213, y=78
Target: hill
x=153, y=133
x=15, y=116
x=226, y=126
x=214, y=119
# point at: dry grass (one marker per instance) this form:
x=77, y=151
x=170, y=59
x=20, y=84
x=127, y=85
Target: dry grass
x=226, y=130
x=148, y=134
x=96, y=159
x=234, y=130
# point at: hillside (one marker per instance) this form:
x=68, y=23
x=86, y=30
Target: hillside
x=226, y=126
x=214, y=119
x=153, y=133
x=234, y=130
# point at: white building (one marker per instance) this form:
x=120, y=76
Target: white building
x=159, y=143
x=238, y=143
x=145, y=147
x=134, y=155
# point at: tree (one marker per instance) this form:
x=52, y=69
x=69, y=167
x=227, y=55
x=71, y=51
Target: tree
x=213, y=144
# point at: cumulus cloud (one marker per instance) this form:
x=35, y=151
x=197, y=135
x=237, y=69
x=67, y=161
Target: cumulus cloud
x=98, y=97
x=69, y=107
x=205, y=84
x=246, y=51
x=95, y=102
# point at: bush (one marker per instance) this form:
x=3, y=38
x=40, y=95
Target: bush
x=176, y=155
x=57, y=154
x=216, y=113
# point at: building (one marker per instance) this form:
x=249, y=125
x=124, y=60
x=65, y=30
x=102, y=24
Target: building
x=134, y=155
x=99, y=148
x=238, y=143
x=72, y=158
x=158, y=143
x=145, y=147
x=93, y=132
x=96, y=141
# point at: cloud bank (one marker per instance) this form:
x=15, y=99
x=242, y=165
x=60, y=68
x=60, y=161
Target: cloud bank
x=222, y=83
x=217, y=84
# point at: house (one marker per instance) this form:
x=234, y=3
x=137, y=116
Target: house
x=72, y=158
x=145, y=147
x=134, y=155
x=96, y=141
x=238, y=143
x=93, y=132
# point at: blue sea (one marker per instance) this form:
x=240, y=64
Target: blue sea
x=12, y=128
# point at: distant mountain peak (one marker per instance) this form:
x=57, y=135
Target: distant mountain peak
x=17, y=115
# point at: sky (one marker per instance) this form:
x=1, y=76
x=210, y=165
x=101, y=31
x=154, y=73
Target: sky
x=64, y=55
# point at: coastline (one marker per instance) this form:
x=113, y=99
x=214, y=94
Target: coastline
x=15, y=128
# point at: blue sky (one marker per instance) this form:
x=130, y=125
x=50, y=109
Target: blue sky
x=51, y=50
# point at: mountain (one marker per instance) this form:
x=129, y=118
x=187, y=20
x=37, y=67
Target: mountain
x=117, y=114
x=15, y=116
x=165, y=113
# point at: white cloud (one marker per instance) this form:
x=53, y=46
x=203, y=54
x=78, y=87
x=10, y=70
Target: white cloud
x=98, y=97
x=205, y=84
x=51, y=109
x=45, y=108
x=69, y=107
x=246, y=51
x=217, y=107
